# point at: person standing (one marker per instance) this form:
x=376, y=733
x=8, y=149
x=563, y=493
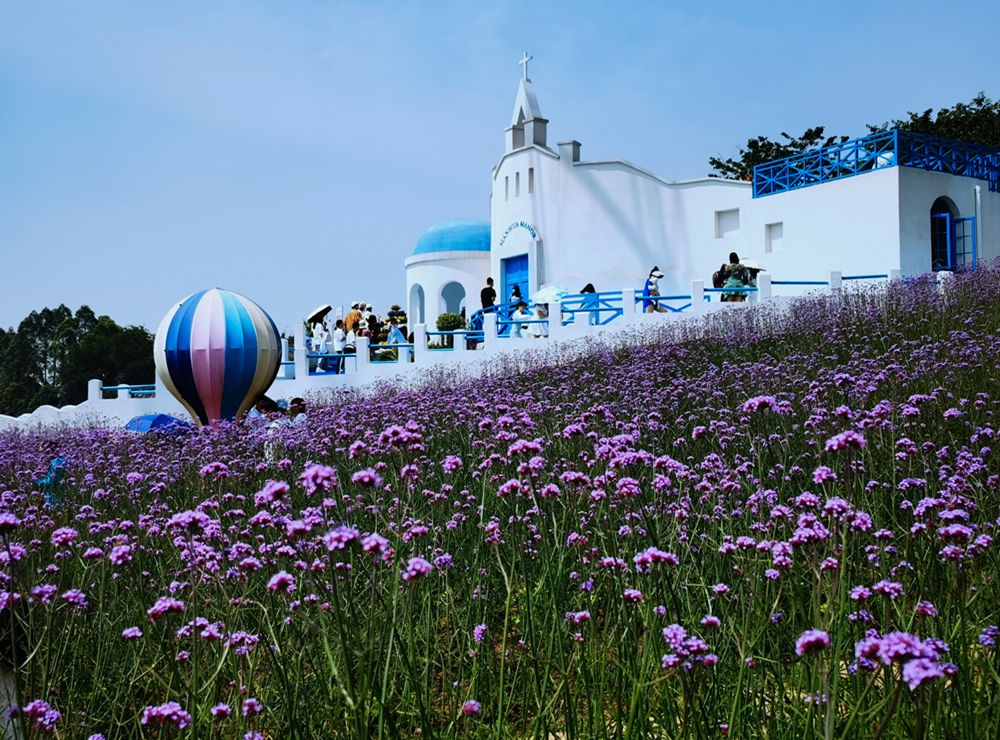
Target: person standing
x=352, y=319
x=488, y=296
x=321, y=343
x=339, y=341
x=652, y=289
x=520, y=314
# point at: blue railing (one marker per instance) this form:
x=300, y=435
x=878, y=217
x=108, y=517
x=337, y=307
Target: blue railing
x=134, y=391
x=600, y=308
x=874, y=152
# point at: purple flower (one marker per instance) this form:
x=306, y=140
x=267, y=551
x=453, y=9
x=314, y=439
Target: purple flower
x=811, y=642
x=415, y=568
x=221, y=710
x=282, y=581
x=341, y=537
x=76, y=597
x=889, y=589
x=63, y=536
x=164, y=605
x=921, y=671
x=632, y=595
x=472, y=708
x=674, y=635
x=169, y=712
x=479, y=632
x=368, y=478
x=375, y=542
x=192, y=521
x=846, y=440
x=132, y=633
x=901, y=647
x=252, y=707
x=318, y=477
x=43, y=716
x=577, y=617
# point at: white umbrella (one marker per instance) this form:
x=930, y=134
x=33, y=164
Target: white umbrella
x=753, y=265
x=549, y=294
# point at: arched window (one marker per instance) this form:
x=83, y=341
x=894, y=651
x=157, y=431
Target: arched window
x=943, y=215
x=452, y=298
x=416, y=312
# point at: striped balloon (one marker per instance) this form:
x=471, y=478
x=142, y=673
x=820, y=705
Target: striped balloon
x=217, y=351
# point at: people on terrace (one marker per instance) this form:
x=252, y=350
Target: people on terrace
x=520, y=314
x=737, y=276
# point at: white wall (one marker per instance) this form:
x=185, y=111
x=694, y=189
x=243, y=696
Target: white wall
x=435, y=270
x=918, y=189
x=609, y=222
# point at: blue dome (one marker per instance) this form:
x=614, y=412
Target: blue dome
x=457, y=235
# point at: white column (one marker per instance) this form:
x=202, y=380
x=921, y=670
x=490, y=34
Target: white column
x=698, y=297
x=763, y=286
x=363, y=354
x=94, y=390
x=628, y=305
x=895, y=274
x=460, y=342
x=301, y=361
x=490, y=332
x=555, y=320
x=420, y=343
x=836, y=280
x=283, y=370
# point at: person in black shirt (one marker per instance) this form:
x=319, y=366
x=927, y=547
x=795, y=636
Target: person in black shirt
x=487, y=295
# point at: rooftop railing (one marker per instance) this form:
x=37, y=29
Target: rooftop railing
x=875, y=152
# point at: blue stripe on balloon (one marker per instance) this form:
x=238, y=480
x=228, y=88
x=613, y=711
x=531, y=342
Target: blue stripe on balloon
x=178, y=354
x=241, y=354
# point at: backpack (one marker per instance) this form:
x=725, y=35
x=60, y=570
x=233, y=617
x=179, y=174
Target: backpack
x=718, y=279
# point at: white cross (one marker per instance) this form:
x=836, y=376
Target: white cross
x=525, y=63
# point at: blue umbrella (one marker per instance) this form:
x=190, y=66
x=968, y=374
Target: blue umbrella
x=158, y=422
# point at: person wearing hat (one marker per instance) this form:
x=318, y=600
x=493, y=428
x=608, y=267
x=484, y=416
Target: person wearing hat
x=652, y=288
x=351, y=322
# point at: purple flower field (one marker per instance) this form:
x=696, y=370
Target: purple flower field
x=778, y=523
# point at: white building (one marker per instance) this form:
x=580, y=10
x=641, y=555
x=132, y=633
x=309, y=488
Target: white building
x=887, y=201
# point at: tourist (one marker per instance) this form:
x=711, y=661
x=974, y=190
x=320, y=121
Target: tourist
x=488, y=296
x=49, y=484
x=339, y=340
x=520, y=314
x=297, y=411
x=591, y=303
x=541, y=312
x=719, y=280
x=736, y=277
x=350, y=345
x=363, y=330
x=320, y=338
x=351, y=322
x=652, y=289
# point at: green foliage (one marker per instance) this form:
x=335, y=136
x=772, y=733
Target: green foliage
x=762, y=150
x=977, y=122
x=449, y=322
x=53, y=353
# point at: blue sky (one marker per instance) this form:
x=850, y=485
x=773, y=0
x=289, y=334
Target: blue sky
x=294, y=152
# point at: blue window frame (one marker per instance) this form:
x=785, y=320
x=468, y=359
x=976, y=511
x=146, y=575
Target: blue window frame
x=964, y=240
x=942, y=247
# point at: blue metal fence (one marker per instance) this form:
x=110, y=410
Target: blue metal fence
x=874, y=152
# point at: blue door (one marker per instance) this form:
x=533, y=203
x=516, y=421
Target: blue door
x=515, y=272
x=942, y=246
x=965, y=243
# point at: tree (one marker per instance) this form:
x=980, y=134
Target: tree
x=762, y=150
x=110, y=353
x=449, y=322
x=977, y=122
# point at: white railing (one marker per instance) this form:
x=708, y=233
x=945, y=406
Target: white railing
x=296, y=378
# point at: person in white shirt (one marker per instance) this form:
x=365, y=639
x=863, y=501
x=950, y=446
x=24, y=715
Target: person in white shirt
x=339, y=341
x=321, y=343
x=520, y=314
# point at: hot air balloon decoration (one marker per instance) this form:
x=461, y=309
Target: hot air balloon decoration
x=216, y=352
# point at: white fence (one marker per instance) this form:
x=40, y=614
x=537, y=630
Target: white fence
x=295, y=379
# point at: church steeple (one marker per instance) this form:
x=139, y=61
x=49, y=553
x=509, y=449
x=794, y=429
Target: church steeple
x=526, y=125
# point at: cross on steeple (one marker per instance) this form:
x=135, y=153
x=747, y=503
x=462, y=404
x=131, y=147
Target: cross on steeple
x=525, y=61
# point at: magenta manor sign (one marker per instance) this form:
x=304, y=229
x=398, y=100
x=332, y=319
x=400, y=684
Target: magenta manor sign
x=518, y=225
